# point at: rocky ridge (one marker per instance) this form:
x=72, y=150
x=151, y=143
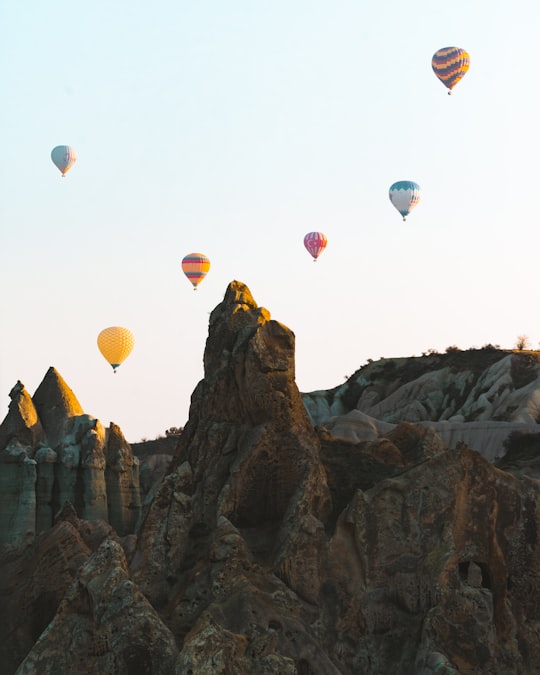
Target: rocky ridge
x=273, y=546
x=51, y=453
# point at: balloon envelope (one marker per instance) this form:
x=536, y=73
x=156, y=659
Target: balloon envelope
x=405, y=195
x=315, y=242
x=450, y=64
x=64, y=157
x=116, y=344
x=195, y=266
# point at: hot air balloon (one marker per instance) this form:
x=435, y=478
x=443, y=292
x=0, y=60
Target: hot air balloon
x=64, y=157
x=450, y=64
x=405, y=195
x=116, y=344
x=195, y=266
x=315, y=242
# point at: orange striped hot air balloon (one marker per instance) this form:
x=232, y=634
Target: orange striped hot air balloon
x=195, y=266
x=450, y=64
x=115, y=344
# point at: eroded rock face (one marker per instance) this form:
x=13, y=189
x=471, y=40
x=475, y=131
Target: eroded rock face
x=107, y=623
x=54, y=453
x=248, y=454
x=436, y=554
x=33, y=581
x=253, y=570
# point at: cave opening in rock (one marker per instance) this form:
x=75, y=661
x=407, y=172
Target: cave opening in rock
x=138, y=660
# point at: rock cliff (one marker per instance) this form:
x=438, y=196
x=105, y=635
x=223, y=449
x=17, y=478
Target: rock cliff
x=272, y=546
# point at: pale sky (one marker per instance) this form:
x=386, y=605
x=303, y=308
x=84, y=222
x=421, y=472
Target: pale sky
x=233, y=129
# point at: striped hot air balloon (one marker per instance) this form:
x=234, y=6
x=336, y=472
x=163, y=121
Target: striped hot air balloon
x=450, y=64
x=315, y=242
x=63, y=157
x=405, y=195
x=115, y=344
x=195, y=266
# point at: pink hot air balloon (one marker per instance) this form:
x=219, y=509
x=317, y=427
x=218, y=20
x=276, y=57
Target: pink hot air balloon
x=315, y=242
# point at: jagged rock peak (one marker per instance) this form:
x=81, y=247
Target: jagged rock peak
x=232, y=321
x=22, y=421
x=54, y=400
x=118, y=449
x=249, y=366
x=16, y=391
x=238, y=293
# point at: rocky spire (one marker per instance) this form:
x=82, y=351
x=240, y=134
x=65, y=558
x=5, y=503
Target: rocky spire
x=252, y=453
x=122, y=480
x=248, y=422
x=22, y=421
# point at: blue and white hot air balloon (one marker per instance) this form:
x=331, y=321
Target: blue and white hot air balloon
x=405, y=195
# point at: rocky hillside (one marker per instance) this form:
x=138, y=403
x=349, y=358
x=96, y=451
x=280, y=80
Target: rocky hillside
x=353, y=539
x=478, y=396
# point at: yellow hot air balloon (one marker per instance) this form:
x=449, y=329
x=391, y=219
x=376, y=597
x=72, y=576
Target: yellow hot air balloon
x=116, y=344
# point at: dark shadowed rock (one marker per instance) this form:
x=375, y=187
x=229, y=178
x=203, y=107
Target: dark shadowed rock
x=437, y=559
x=33, y=582
x=107, y=622
x=522, y=455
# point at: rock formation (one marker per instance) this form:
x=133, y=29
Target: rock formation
x=271, y=546
x=51, y=452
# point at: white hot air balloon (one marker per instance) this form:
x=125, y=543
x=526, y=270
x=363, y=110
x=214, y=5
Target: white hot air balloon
x=63, y=157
